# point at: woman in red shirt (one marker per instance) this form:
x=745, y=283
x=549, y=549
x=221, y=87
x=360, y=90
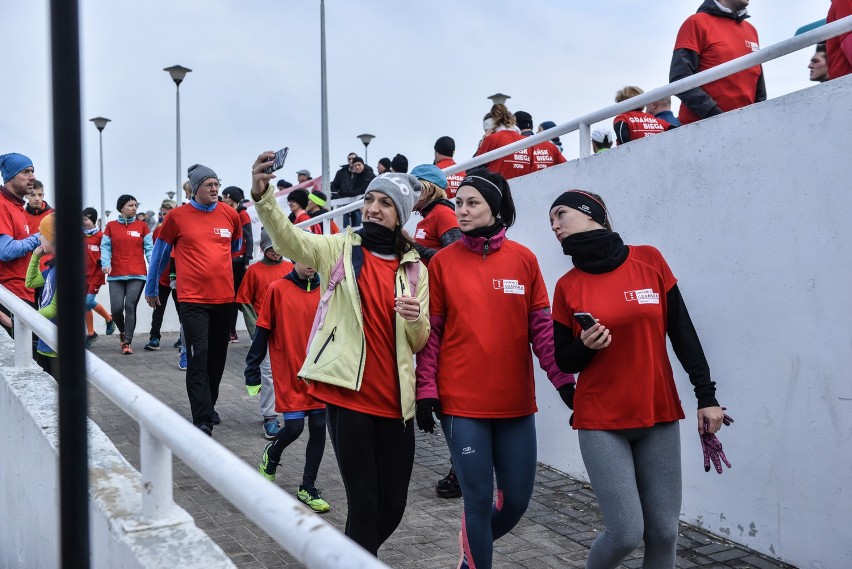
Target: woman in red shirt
x=635, y=124
x=626, y=406
x=501, y=130
x=439, y=226
x=488, y=304
x=125, y=251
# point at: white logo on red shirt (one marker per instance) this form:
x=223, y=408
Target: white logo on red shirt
x=420, y=234
x=752, y=45
x=643, y=296
x=94, y=248
x=134, y=234
x=508, y=286
x=222, y=232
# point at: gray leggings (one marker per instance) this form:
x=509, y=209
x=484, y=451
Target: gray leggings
x=123, y=298
x=636, y=477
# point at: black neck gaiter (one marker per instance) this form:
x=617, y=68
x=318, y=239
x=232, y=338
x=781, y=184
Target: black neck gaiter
x=378, y=238
x=487, y=231
x=597, y=251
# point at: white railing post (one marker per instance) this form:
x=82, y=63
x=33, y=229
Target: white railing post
x=585, y=140
x=156, y=463
x=23, y=343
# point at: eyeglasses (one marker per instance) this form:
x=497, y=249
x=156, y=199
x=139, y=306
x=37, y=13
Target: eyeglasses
x=211, y=185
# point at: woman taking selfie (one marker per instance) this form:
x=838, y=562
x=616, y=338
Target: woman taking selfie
x=626, y=405
x=488, y=305
x=375, y=295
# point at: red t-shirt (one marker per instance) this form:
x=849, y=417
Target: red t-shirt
x=630, y=383
x=485, y=366
x=838, y=64
x=453, y=180
x=379, y=393
x=641, y=124
x=92, y=261
x=544, y=155
x=256, y=281
x=13, y=223
x=244, y=220
x=511, y=166
x=33, y=220
x=128, y=251
x=288, y=312
x=718, y=40
x=202, y=247
x=437, y=222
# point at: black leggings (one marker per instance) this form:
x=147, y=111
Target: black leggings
x=291, y=431
x=375, y=456
x=160, y=310
x=205, y=328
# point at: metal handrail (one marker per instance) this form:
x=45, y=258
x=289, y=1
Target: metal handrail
x=303, y=533
x=583, y=123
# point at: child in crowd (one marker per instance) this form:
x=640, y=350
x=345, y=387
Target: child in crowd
x=296, y=295
x=45, y=356
x=94, y=275
x=250, y=295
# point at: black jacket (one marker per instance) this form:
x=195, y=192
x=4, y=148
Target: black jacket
x=685, y=64
x=341, y=185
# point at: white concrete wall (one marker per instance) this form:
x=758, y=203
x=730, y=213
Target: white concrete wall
x=29, y=491
x=752, y=211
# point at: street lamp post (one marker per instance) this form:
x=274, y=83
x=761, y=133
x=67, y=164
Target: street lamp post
x=171, y=195
x=366, y=138
x=499, y=98
x=177, y=73
x=100, y=124
x=326, y=165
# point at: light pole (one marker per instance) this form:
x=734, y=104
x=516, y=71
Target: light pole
x=171, y=195
x=499, y=98
x=366, y=138
x=177, y=73
x=100, y=124
x=326, y=167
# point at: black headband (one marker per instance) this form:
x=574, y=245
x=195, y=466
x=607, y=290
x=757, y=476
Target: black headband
x=490, y=191
x=583, y=202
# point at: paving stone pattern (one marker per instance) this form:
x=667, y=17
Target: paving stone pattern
x=557, y=530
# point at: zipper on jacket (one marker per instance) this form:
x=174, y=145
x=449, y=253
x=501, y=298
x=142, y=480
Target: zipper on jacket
x=327, y=340
x=396, y=350
x=485, y=249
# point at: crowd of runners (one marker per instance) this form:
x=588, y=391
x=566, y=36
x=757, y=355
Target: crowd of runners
x=366, y=332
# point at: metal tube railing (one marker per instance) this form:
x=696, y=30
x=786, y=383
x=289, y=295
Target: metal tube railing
x=303, y=533
x=583, y=123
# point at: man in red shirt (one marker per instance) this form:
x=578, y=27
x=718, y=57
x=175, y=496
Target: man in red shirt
x=445, y=147
x=234, y=197
x=715, y=35
x=839, y=49
x=543, y=154
x=203, y=234
x=36, y=207
x=17, y=238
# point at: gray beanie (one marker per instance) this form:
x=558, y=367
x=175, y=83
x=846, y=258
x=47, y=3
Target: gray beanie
x=265, y=240
x=401, y=188
x=198, y=174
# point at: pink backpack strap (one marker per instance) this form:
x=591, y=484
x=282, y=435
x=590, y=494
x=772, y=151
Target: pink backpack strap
x=338, y=273
x=412, y=271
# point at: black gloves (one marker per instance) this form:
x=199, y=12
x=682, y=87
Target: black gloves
x=425, y=408
x=566, y=392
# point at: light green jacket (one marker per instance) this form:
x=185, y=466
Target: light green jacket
x=337, y=353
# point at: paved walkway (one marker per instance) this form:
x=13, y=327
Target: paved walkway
x=557, y=530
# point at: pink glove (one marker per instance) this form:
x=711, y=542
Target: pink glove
x=712, y=448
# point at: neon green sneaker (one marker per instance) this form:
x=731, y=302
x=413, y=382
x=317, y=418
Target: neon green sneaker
x=267, y=467
x=311, y=497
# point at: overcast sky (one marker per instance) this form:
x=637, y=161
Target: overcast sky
x=407, y=72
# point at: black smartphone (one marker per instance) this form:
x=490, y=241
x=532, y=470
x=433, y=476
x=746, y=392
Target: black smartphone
x=585, y=320
x=278, y=161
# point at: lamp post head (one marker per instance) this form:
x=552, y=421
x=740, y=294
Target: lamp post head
x=366, y=138
x=107, y=212
x=100, y=122
x=499, y=98
x=171, y=195
x=178, y=72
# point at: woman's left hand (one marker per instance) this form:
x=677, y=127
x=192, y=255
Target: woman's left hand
x=408, y=307
x=714, y=416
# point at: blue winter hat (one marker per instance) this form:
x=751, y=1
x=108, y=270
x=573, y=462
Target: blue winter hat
x=13, y=164
x=430, y=173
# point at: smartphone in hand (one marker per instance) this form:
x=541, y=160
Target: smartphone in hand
x=585, y=320
x=278, y=161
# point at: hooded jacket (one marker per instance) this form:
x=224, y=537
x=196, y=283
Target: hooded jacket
x=686, y=62
x=338, y=350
